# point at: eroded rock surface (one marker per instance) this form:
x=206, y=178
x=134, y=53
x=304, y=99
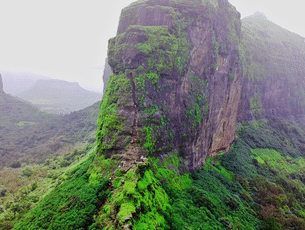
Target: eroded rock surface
x=177, y=81
x=274, y=77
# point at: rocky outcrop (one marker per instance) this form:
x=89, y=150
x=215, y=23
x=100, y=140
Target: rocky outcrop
x=107, y=73
x=274, y=78
x=177, y=81
x=1, y=85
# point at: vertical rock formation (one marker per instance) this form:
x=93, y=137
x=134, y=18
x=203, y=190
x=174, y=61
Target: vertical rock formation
x=177, y=81
x=107, y=73
x=1, y=85
x=274, y=78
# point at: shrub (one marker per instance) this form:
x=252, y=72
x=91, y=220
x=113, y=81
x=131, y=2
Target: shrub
x=27, y=172
x=15, y=164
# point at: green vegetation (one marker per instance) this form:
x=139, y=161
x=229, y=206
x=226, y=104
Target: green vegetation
x=138, y=200
x=256, y=105
x=271, y=50
x=198, y=102
x=37, y=150
x=22, y=123
x=24, y=187
x=29, y=135
x=164, y=51
x=258, y=185
x=70, y=205
x=268, y=162
x=109, y=123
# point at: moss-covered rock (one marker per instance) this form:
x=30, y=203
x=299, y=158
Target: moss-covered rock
x=274, y=71
x=181, y=59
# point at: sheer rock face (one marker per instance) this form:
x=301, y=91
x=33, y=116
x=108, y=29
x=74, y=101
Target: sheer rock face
x=177, y=81
x=107, y=73
x=274, y=78
x=1, y=85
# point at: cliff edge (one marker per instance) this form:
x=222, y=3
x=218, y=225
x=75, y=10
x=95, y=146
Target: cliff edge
x=177, y=82
x=1, y=85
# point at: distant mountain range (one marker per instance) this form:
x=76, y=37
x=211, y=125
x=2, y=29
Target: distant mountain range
x=28, y=133
x=58, y=96
x=18, y=82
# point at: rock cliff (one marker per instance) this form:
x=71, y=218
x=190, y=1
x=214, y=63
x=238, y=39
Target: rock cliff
x=274, y=73
x=106, y=75
x=1, y=85
x=177, y=81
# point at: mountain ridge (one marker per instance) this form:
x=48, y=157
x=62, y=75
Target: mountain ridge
x=59, y=96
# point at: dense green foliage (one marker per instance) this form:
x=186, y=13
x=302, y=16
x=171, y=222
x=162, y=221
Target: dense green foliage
x=137, y=200
x=71, y=205
x=268, y=162
x=258, y=185
x=29, y=135
x=30, y=138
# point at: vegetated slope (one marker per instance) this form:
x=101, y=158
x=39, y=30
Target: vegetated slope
x=258, y=185
x=274, y=71
x=22, y=189
x=59, y=97
x=14, y=110
x=29, y=135
x=72, y=204
x=37, y=149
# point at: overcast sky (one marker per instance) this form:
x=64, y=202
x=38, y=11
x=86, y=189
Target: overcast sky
x=67, y=39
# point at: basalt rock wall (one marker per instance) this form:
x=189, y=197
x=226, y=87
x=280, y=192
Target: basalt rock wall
x=177, y=82
x=274, y=73
x=1, y=85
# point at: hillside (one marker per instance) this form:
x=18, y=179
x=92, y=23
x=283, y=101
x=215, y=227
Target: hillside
x=200, y=127
x=30, y=135
x=36, y=150
x=34, y=139
x=59, y=97
x=274, y=68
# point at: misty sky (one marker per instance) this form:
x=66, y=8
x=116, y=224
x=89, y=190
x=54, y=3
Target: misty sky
x=67, y=39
